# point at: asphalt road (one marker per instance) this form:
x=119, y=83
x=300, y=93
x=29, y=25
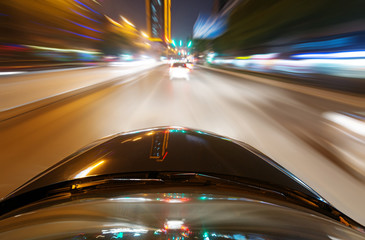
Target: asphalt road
x=282, y=122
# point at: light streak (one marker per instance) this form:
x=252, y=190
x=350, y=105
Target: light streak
x=62, y=49
x=85, y=172
x=144, y=35
x=128, y=22
x=87, y=7
x=78, y=34
x=352, y=124
x=78, y=24
x=84, y=16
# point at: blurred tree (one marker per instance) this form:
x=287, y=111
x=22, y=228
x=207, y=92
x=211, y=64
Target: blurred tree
x=256, y=22
x=201, y=45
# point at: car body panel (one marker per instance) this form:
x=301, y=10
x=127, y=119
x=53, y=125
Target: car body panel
x=175, y=150
x=141, y=180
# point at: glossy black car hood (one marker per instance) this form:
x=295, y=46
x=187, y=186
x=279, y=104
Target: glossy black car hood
x=172, y=169
x=169, y=150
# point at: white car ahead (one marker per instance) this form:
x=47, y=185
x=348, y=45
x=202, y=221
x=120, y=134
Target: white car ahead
x=179, y=70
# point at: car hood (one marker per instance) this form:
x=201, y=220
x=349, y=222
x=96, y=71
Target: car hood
x=169, y=149
x=171, y=165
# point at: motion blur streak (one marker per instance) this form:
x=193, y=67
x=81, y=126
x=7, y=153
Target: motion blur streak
x=277, y=121
x=86, y=6
x=343, y=64
x=62, y=50
x=10, y=73
x=20, y=90
x=287, y=77
x=332, y=55
x=352, y=124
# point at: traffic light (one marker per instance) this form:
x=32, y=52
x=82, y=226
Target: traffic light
x=190, y=43
x=181, y=43
x=173, y=43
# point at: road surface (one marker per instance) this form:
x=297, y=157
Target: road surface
x=282, y=122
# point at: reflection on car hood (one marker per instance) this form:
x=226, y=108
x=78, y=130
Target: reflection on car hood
x=170, y=149
x=175, y=215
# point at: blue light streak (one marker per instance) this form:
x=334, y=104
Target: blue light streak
x=78, y=34
x=84, y=16
x=209, y=27
x=325, y=44
x=78, y=24
x=87, y=7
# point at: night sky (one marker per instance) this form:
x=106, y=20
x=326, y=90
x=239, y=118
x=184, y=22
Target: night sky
x=183, y=14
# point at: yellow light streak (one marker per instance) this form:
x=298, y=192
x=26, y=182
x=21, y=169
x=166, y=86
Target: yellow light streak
x=85, y=172
x=156, y=39
x=113, y=22
x=128, y=140
x=165, y=21
x=148, y=15
x=169, y=17
x=144, y=35
x=126, y=21
x=243, y=58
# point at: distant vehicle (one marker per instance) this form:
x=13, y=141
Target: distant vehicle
x=179, y=70
x=170, y=183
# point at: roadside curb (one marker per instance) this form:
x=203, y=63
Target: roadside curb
x=40, y=103
x=348, y=99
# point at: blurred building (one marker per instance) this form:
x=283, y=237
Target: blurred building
x=223, y=7
x=158, y=14
x=121, y=37
x=215, y=24
x=52, y=27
